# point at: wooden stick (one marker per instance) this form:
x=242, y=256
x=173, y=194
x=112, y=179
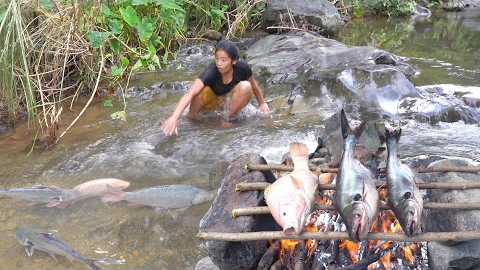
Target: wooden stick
x=281, y=167
x=261, y=210
x=447, y=185
x=266, y=235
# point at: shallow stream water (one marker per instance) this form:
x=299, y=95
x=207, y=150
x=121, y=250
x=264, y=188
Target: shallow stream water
x=446, y=48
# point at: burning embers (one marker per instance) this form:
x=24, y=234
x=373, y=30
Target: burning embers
x=332, y=254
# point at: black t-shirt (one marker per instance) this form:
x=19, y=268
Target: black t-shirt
x=212, y=77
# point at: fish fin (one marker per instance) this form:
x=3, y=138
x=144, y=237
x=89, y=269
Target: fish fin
x=396, y=133
x=114, y=195
x=297, y=183
x=299, y=153
x=64, y=204
x=347, y=130
x=29, y=248
x=91, y=263
x=53, y=256
x=53, y=204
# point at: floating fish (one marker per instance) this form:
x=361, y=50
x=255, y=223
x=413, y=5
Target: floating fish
x=356, y=198
x=177, y=197
x=93, y=188
x=403, y=195
x=291, y=197
x=49, y=195
x=44, y=240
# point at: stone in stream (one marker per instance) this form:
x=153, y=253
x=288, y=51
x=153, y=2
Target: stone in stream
x=238, y=255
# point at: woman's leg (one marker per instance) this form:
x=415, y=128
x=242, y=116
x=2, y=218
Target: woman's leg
x=240, y=96
x=206, y=99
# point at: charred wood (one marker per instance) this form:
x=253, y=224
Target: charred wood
x=270, y=256
x=278, y=265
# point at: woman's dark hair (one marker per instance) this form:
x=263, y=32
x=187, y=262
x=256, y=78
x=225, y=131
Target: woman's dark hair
x=229, y=47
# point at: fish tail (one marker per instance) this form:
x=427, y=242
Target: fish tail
x=299, y=154
x=396, y=133
x=347, y=130
x=91, y=263
x=114, y=195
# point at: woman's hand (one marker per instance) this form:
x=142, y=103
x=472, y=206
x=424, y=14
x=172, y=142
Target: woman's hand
x=170, y=126
x=264, y=108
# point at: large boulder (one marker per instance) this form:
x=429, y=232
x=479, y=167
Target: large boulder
x=238, y=255
x=318, y=13
x=452, y=255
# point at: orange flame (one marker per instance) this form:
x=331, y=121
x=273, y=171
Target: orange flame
x=352, y=249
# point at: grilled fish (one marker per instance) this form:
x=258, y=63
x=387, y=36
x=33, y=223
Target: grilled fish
x=291, y=197
x=403, y=195
x=356, y=198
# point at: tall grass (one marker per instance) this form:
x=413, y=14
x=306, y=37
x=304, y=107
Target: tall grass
x=16, y=86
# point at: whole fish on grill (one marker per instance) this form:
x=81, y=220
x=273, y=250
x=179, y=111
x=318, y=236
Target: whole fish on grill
x=291, y=197
x=177, y=197
x=44, y=240
x=356, y=198
x=404, y=197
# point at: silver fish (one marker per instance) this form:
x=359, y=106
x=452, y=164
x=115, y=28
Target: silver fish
x=178, y=197
x=403, y=195
x=44, y=240
x=49, y=195
x=356, y=197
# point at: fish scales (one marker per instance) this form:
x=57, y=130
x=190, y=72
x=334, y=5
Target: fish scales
x=170, y=196
x=404, y=197
x=356, y=197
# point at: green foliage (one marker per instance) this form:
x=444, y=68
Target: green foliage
x=389, y=8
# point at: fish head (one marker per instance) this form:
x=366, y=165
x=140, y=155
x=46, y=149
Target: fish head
x=120, y=184
x=357, y=220
x=409, y=216
x=290, y=220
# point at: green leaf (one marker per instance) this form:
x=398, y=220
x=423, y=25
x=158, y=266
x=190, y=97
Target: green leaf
x=156, y=60
x=140, y=2
x=217, y=13
x=170, y=5
x=108, y=103
x=152, y=50
x=105, y=9
x=129, y=15
x=122, y=115
x=138, y=64
x=115, y=45
x=145, y=30
x=116, y=70
x=46, y=4
x=124, y=60
x=116, y=26
x=96, y=38
x=2, y=15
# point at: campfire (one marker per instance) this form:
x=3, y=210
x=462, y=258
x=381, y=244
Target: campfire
x=332, y=254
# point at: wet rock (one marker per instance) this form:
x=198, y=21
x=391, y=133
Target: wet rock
x=319, y=13
x=367, y=146
x=237, y=255
x=298, y=57
x=217, y=173
x=462, y=256
x=206, y=264
x=452, y=220
x=453, y=5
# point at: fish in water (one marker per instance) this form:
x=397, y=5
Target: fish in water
x=291, y=197
x=93, y=188
x=403, y=195
x=356, y=198
x=44, y=240
x=175, y=197
x=49, y=195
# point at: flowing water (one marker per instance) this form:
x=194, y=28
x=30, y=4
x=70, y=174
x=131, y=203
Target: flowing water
x=445, y=48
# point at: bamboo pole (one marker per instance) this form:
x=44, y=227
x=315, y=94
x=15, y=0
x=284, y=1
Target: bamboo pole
x=281, y=167
x=262, y=210
x=267, y=235
x=447, y=185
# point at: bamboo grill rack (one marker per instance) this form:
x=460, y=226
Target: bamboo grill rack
x=424, y=237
